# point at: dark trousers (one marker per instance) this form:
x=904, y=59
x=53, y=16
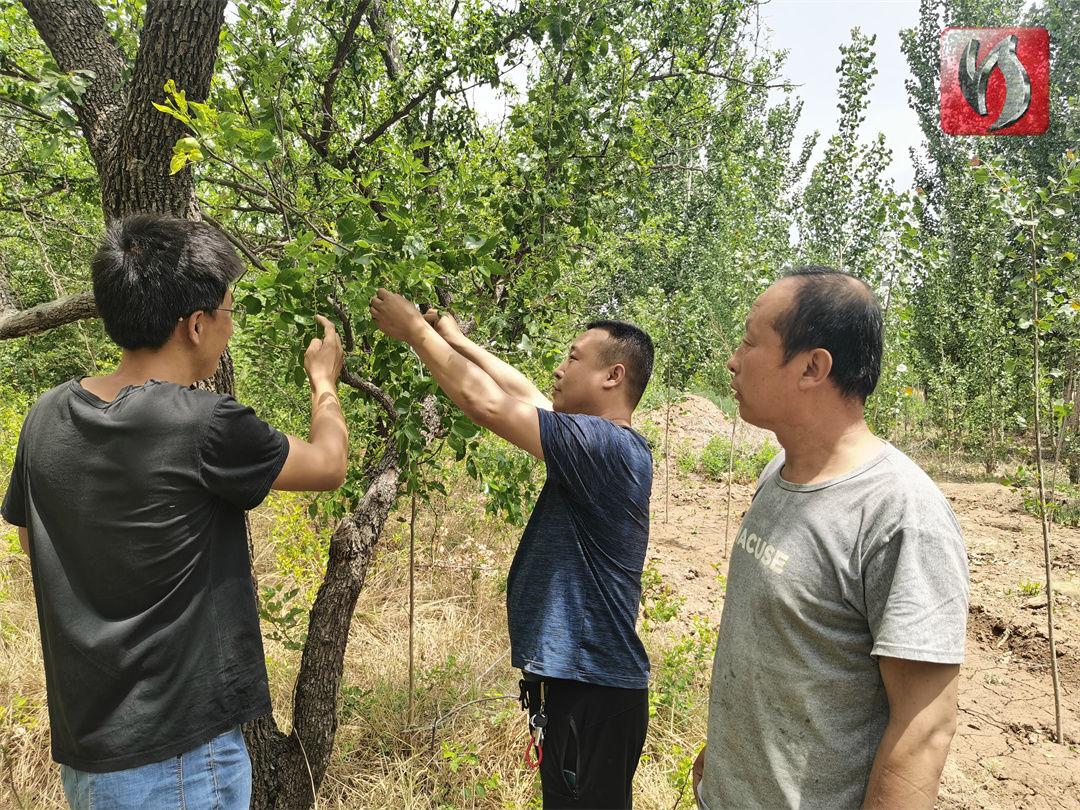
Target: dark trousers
x=592, y=744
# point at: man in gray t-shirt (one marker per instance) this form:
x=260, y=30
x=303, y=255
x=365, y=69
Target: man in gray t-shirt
x=834, y=683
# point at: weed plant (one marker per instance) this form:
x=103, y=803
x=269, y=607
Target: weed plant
x=746, y=466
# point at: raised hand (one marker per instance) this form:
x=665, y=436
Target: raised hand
x=324, y=356
x=445, y=324
x=396, y=315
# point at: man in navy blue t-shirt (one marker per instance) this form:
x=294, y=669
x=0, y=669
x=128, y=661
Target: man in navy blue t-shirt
x=575, y=583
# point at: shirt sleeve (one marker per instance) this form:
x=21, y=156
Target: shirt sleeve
x=916, y=590
x=240, y=455
x=576, y=450
x=14, y=508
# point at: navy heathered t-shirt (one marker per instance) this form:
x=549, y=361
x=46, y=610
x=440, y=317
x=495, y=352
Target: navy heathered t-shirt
x=135, y=512
x=574, y=587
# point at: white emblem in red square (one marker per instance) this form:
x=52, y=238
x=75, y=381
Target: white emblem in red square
x=995, y=81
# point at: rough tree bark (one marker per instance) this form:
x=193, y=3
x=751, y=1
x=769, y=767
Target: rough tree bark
x=9, y=301
x=129, y=141
x=20, y=323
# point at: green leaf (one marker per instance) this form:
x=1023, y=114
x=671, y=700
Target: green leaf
x=266, y=148
x=347, y=229
x=171, y=111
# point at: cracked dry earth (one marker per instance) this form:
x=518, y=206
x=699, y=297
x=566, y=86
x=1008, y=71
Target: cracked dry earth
x=1003, y=755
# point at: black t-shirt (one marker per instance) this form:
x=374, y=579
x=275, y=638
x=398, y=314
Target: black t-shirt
x=135, y=513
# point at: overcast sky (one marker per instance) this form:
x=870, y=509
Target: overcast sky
x=812, y=32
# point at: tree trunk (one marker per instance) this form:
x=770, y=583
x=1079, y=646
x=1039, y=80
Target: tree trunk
x=130, y=142
x=9, y=301
x=179, y=41
x=1071, y=428
x=286, y=769
x=74, y=32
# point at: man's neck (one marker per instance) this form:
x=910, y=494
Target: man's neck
x=825, y=448
x=137, y=367
x=620, y=415
x=617, y=414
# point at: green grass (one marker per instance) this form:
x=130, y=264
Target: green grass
x=1063, y=508
x=1030, y=588
x=746, y=466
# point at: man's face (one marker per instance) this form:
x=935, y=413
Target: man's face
x=762, y=381
x=579, y=380
x=217, y=328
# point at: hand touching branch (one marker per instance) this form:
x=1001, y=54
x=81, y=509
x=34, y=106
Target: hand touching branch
x=466, y=381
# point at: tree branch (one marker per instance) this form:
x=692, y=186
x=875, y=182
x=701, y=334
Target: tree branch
x=26, y=108
x=352, y=546
x=686, y=74
x=17, y=204
x=9, y=301
x=400, y=113
x=14, y=70
x=437, y=81
x=236, y=241
x=388, y=51
x=360, y=384
x=74, y=32
x=47, y=316
x=321, y=142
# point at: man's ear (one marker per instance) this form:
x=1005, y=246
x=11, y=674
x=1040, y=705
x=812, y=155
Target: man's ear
x=193, y=328
x=616, y=375
x=816, y=370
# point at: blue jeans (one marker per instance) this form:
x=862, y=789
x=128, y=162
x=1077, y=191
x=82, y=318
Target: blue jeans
x=213, y=776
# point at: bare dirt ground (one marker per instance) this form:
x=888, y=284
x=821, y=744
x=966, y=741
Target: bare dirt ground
x=1003, y=755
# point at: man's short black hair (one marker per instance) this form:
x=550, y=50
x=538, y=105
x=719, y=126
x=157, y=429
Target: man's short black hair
x=837, y=312
x=632, y=347
x=153, y=269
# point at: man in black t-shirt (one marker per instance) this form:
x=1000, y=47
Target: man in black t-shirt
x=575, y=584
x=129, y=492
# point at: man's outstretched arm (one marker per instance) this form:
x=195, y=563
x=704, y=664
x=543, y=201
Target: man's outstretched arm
x=508, y=378
x=467, y=384
x=320, y=463
x=922, y=721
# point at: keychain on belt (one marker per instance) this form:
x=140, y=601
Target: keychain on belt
x=534, y=750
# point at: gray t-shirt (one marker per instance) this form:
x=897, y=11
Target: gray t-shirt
x=823, y=579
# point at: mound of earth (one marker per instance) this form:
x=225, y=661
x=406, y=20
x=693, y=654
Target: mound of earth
x=695, y=420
